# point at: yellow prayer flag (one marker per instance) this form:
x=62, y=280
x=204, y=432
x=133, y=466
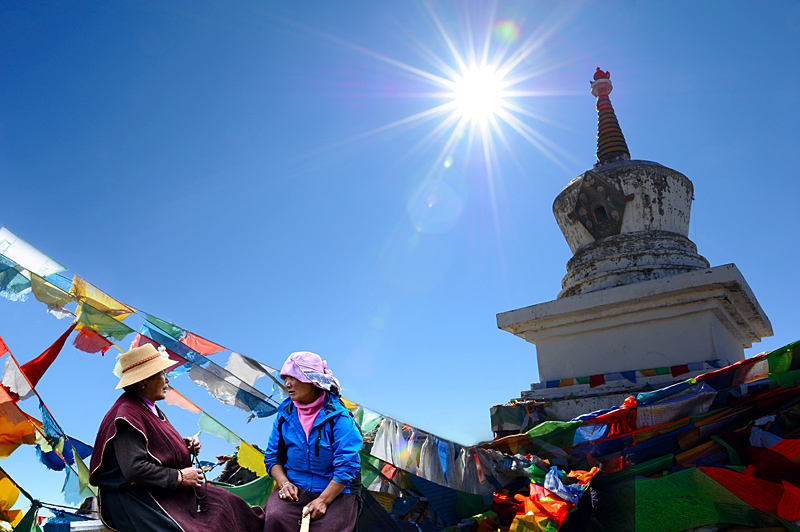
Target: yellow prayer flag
x=252, y=459
x=350, y=405
x=648, y=372
x=86, y=291
x=83, y=477
x=9, y=492
x=15, y=429
x=48, y=293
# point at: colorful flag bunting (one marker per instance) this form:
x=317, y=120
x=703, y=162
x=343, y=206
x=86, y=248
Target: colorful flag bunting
x=247, y=369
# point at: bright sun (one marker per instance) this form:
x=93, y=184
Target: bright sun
x=478, y=93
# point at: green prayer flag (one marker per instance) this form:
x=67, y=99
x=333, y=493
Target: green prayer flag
x=787, y=379
x=172, y=330
x=101, y=323
x=254, y=493
x=28, y=522
x=210, y=425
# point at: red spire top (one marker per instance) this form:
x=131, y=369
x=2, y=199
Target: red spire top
x=611, y=145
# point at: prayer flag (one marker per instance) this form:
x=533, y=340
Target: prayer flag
x=26, y=255
x=102, y=323
x=252, y=459
x=9, y=493
x=15, y=429
x=28, y=522
x=13, y=284
x=248, y=369
x=86, y=489
x=169, y=328
x=200, y=344
x=51, y=295
x=210, y=425
x=89, y=341
x=176, y=399
x=86, y=292
x=35, y=368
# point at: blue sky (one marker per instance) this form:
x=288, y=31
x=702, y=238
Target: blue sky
x=226, y=166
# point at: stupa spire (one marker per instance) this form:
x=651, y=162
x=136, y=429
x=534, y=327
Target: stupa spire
x=611, y=144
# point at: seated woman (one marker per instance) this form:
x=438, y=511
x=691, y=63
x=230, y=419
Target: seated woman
x=313, y=452
x=142, y=466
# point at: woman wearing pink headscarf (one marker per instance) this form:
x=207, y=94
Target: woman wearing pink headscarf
x=313, y=452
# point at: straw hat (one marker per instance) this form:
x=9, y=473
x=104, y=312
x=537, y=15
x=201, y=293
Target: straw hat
x=142, y=362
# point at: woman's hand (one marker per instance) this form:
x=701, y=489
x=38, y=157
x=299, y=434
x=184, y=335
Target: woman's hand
x=191, y=477
x=288, y=492
x=193, y=444
x=316, y=508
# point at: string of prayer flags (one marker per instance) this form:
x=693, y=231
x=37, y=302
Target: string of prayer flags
x=219, y=382
x=13, y=284
x=26, y=255
x=89, y=341
x=140, y=340
x=209, y=425
x=15, y=429
x=101, y=322
x=86, y=292
x=252, y=459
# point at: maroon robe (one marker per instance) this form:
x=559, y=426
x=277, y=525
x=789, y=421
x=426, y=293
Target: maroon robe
x=221, y=510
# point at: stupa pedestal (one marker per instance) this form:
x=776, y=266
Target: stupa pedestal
x=639, y=308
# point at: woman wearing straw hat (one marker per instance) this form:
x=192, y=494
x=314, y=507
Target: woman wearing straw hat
x=313, y=452
x=143, y=466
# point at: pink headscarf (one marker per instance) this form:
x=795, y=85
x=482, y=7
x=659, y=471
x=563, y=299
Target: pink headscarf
x=310, y=368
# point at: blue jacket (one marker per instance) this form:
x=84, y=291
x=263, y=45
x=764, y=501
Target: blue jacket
x=314, y=461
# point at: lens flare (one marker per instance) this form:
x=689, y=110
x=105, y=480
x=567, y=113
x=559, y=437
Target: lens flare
x=478, y=93
x=506, y=31
x=448, y=162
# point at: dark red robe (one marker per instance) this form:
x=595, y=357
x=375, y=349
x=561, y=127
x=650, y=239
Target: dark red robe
x=221, y=510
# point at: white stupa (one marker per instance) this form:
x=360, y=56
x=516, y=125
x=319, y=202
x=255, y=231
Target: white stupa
x=638, y=307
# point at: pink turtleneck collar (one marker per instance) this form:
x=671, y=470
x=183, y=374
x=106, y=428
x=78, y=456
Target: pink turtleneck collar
x=307, y=412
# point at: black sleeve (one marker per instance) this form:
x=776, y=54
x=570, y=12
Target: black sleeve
x=136, y=464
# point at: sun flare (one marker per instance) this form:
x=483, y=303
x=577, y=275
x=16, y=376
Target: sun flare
x=478, y=94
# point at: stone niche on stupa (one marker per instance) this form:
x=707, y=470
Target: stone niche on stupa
x=638, y=307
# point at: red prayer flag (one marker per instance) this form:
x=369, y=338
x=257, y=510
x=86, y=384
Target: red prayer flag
x=3, y=348
x=596, y=380
x=200, y=344
x=89, y=341
x=35, y=368
x=679, y=370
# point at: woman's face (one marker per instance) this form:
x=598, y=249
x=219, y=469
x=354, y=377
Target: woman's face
x=155, y=386
x=302, y=392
